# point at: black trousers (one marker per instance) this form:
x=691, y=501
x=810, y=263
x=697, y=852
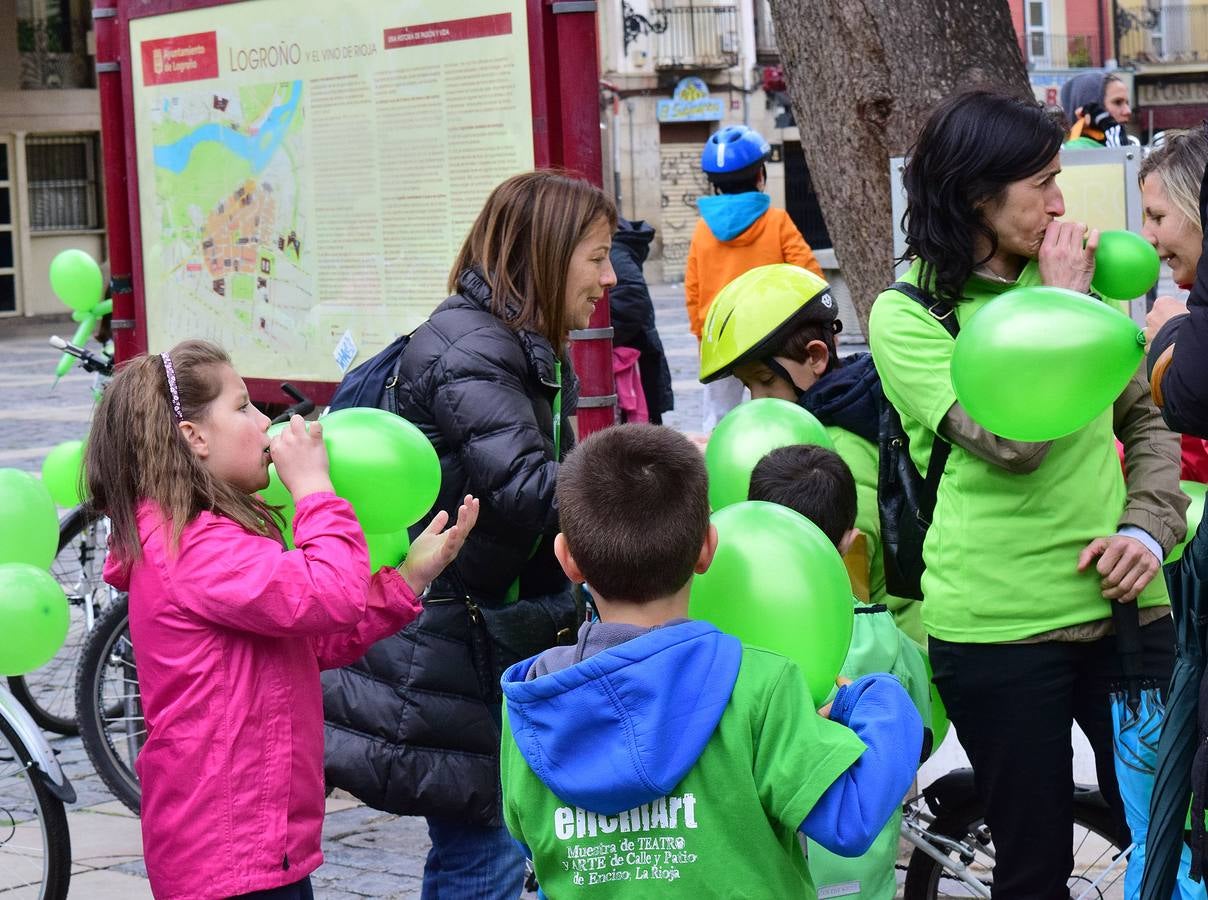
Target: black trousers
x=1012, y=706
x=299, y=890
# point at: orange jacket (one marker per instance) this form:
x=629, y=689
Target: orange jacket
x=712, y=264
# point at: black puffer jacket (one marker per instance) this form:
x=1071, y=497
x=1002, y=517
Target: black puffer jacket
x=413, y=727
x=633, y=315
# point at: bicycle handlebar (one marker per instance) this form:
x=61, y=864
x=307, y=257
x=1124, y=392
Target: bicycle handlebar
x=89, y=361
x=303, y=407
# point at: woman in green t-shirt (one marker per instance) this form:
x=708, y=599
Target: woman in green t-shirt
x=1030, y=542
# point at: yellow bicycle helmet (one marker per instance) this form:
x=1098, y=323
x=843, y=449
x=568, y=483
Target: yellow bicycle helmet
x=757, y=311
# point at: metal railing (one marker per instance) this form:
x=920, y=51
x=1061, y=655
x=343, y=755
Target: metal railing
x=702, y=36
x=1177, y=33
x=1042, y=50
x=766, y=48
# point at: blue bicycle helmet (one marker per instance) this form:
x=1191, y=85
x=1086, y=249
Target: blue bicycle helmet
x=733, y=149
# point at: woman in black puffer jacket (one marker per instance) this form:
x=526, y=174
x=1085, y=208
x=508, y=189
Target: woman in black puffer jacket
x=414, y=727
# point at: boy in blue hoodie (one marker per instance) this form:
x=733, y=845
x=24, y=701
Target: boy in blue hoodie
x=660, y=754
x=738, y=230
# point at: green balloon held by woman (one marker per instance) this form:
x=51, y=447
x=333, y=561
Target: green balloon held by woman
x=1038, y=363
x=1126, y=266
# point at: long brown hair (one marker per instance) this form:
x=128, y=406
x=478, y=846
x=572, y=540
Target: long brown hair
x=522, y=243
x=136, y=452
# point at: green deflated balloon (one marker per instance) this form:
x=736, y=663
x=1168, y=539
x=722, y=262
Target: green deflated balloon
x=1195, y=514
x=33, y=609
x=778, y=582
x=29, y=522
x=747, y=434
x=61, y=472
x=76, y=280
x=1126, y=266
x=1038, y=363
x=383, y=465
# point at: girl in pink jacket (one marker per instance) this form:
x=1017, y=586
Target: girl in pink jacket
x=229, y=628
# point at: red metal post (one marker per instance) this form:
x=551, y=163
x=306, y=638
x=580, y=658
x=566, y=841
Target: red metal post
x=113, y=157
x=574, y=93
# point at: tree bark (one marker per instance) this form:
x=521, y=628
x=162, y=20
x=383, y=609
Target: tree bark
x=862, y=76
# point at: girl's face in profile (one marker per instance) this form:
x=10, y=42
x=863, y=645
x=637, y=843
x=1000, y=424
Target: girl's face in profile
x=232, y=439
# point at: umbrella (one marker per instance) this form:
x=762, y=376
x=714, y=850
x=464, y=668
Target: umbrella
x=1166, y=852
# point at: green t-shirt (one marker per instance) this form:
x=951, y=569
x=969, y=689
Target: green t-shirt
x=862, y=457
x=1082, y=142
x=728, y=829
x=1003, y=548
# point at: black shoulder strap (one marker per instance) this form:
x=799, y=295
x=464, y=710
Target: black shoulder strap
x=942, y=312
x=946, y=316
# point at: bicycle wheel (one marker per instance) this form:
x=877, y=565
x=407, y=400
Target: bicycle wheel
x=35, y=846
x=1098, y=872
x=109, y=707
x=49, y=693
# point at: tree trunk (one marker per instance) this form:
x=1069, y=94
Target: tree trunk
x=862, y=75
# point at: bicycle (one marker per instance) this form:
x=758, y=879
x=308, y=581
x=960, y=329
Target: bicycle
x=954, y=851
x=109, y=707
x=49, y=693
x=35, y=845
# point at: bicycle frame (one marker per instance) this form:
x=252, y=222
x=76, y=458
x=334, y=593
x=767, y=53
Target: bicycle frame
x=918, y=836
x=46, y=767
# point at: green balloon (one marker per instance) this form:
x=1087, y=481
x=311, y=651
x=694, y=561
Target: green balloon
x=387, y=549
x=34, y=611
x=747, y=434
x=1195, y=514
x=29, y=522
x=383, y=465
x=1126, y=266
x=61, y=472
x=1038, y=363
x=778, y=582
x=76, y=280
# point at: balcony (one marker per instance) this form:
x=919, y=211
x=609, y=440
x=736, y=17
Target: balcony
x=1163, y=34
x=767, y=51
x=1042, y=50
x=696, y=37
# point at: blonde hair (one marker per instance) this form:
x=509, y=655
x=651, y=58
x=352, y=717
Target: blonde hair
x=1181, y=163
x=135, y=451
x=522, y=242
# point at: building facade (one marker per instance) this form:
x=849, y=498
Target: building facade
x=50, y=163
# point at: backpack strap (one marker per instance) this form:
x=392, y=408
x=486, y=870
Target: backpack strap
x=946, y=316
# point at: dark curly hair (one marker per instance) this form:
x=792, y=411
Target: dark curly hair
x=973, y=145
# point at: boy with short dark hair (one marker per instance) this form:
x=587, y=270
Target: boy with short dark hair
x=817, y=483
x=658, y=750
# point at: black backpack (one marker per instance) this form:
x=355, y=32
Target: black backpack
x=906, y=499
x=374, y=382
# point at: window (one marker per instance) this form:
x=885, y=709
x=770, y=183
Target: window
x=8, y=274
x=62, y=175
x=1036, y=27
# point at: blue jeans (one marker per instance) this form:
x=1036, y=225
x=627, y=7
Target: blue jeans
x=472, y=862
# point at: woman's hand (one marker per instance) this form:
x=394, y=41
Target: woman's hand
x=1064, y=261
x=1125, y=564
x=1164, y=309
x=301, y=458
x=434, y=549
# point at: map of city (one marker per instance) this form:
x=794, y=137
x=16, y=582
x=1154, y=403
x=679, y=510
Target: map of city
x=230, y=221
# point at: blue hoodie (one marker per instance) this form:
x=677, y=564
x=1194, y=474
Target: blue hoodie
x=729, y=215
x=621, y=719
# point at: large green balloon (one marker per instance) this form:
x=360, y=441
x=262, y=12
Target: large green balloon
x=1039, y=363
x=61, y=471
x=1126, y=266
x=33, y=609
x=387, y=549
x=29, y=522
x=1195, y=513
x=747, y=434
x=778, y=582
x=76, y=279
x=383, y=465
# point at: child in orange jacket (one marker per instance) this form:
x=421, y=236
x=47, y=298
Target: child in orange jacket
x=738, y=230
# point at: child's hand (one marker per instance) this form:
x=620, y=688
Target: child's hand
x=839, y=682
x=434, y=549
x=301, y=458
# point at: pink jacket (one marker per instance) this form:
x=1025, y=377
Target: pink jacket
x=229, y=637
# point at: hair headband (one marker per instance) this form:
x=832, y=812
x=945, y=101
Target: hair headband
x=171, y=373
